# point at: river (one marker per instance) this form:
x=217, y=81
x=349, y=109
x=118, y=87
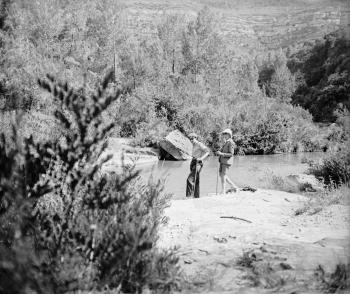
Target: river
x=246, y=171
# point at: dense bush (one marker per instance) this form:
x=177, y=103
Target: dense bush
x=336, y=281
x=90, y=231
x=326, y=69
x=335, y=167
x=267, y=127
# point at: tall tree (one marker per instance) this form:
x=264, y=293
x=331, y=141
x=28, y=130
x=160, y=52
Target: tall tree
x=169, y=32
x=199, y=44
x=282, y=84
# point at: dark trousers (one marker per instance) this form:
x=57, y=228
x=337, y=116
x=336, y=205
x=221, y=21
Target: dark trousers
x=192, y=185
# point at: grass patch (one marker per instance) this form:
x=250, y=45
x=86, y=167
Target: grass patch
x=335, y=168
x=264, y=269
x=334, y=172
x=202, y=281
x=276, y=182
x=247, y=259
x=336, y=281
x=316, y=202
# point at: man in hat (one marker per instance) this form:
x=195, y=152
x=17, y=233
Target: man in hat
x=199, y=153
x=226, y=160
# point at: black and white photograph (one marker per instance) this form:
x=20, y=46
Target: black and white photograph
x=174, y=146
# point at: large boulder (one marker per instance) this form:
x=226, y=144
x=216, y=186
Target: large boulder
x=177, y=145
x=305, y=182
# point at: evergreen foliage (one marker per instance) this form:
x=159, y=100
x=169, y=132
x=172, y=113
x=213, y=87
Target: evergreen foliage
x=64, y=226
x=326, y=70
x=186, y=76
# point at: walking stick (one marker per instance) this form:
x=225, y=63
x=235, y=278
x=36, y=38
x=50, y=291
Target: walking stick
x=217, y=175
x=217, y=180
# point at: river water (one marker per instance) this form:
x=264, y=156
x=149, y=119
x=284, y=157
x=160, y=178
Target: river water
x=249, y=170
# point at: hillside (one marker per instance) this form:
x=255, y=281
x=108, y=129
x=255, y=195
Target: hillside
x=326, y=69
x=250, y=24
x=197, y=72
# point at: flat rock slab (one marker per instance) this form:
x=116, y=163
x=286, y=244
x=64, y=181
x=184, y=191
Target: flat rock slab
x=305, y=182
x=215, y=233
x=123, y=153
x=177, y=145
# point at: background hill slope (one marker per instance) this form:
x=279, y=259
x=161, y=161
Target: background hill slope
x=251, y=24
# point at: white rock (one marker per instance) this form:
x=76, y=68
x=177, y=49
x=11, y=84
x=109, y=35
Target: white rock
x=177, y=145
x=305, y=182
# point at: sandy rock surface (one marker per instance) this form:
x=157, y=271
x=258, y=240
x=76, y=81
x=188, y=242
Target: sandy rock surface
x=214, y=233
x=305, y=182
x=124, y=153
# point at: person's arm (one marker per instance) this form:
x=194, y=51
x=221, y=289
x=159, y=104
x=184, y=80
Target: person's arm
x=204, y=156
x=206, y=150
x=230, y=151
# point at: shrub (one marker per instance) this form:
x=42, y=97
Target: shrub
x=277, y=182
x=264, y=126
x=334, y=168
x=263, y=269
x=125, y=253
x=323, y=199
x=91, y=231
x=333, y=282
x=21, y=270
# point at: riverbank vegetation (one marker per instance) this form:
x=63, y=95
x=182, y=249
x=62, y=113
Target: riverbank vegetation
x=334, y=168
x=334, y=172
x=64, y=227
x=320, y=200
x=182, y=75
x=329, y=184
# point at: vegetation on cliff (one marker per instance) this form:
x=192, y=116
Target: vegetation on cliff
x=187, y=76
x=325, y=88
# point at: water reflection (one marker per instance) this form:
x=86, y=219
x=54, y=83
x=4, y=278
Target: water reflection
x=245, y=171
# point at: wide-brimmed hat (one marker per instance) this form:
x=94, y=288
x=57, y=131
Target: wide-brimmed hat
x=193, y=135
x=227, y=131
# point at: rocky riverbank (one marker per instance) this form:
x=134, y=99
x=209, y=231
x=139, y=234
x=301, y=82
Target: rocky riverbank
x=252, y=242
x=123, y=153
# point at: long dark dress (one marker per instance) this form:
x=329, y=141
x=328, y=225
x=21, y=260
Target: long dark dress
x=193, y=179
